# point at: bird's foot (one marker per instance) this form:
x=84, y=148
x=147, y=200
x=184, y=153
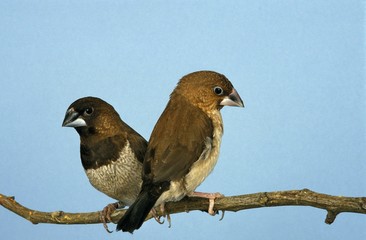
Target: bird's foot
x=211, y=198
x=105, y=214
x=164, y=214
x=156, y=216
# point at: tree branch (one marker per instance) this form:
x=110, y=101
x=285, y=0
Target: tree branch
x=332, y=204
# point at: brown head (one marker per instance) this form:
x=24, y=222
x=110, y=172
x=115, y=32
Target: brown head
x=207, y=90
x=93, y=118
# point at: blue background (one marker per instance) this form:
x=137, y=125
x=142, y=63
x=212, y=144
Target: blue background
x=299, y=66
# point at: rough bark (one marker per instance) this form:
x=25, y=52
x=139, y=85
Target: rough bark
x=332, y=204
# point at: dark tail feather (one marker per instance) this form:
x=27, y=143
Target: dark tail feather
x=138, y=211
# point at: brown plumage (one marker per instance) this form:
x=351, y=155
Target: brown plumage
x=184, y=145
x=111, y=151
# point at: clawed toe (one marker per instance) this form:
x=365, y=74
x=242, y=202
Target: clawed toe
x=105, y=214
x=164, y=214
x=211, y=198
x=222, y=215
x=156, y=216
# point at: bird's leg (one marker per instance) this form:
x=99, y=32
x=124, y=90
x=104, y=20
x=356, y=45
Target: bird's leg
x=156, y=216
x=162, y=209
x=105, y=214
x=211, y=198
x=164, y=214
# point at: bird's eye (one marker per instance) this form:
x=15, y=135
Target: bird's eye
x=89, y=111
x=218, y=90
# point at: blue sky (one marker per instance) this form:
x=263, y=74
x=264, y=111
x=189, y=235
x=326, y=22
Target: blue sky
x=299, y=66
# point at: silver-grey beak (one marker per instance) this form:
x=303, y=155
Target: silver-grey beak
x=232, y=100
x=72, y=119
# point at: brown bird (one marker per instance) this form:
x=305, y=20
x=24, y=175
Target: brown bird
x=184, y=145
x=111, y=151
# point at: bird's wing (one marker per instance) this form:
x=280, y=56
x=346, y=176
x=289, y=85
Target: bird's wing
x=138, y=145
x=177, y=141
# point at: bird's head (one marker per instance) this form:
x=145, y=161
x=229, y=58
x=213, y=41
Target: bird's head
x=91, y=116
x=208, y=90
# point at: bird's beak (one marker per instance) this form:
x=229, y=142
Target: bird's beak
x=72, y=119
x=232, y=100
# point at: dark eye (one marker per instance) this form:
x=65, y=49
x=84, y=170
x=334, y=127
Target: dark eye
x=218, y=90
x=88, y=111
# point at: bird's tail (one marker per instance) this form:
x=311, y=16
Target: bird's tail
x=138, y=211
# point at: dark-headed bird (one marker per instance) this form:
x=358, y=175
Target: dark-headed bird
x=184, y=145
x=111, y=151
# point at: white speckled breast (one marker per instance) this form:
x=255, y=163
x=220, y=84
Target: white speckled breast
x=121, y=179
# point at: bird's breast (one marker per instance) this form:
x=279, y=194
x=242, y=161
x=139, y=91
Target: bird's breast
x=208, y=159
x=120, y=179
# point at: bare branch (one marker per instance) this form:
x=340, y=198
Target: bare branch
x=332, y=204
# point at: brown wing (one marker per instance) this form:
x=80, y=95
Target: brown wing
x=177, y=141
x=137, y=142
